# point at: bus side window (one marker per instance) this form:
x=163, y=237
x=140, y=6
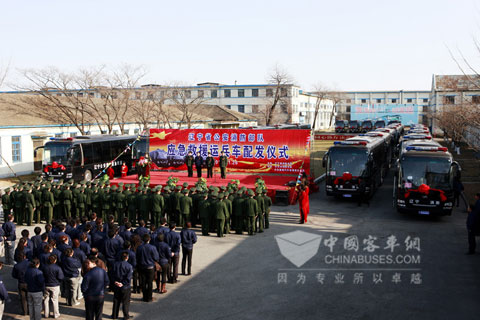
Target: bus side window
x=76, y=156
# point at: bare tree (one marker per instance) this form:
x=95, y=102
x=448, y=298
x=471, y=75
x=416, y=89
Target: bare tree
x=187, y=104
x=3, y=73
x=280, y=81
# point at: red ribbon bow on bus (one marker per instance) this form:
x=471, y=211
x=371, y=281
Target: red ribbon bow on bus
x=425, y=189
x=55, y=165
x=347, y=176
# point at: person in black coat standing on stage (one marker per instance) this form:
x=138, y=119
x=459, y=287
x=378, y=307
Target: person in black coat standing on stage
x=199, y=164
x=189, y=163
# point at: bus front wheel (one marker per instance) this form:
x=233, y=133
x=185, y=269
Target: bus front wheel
x=88, y=175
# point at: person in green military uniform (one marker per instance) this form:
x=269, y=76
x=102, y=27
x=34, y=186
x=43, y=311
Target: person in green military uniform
x=132, y=206
x=113, y=202
x=75, y=192
x=228, y=216
x=37, y=194
x=106, y=200
x=67, y=198
x=19, y=205
x=186, y=205
x=81, y=203
x=88, y=194
x=30, y=205
x=6, y=203
x=158, y=205
x=204, y=213
x=48, y=202
x=223, y=162
x=142, y=204
x=120, y=203
x=238, y=212
x=57, y=205
x=96, y=201
x=220, y=210
x=267, y=201
x=251, y=209
x=175, y=205
x=259, y=223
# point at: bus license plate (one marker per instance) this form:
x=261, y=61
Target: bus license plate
x=424, y=212
x=347, y=195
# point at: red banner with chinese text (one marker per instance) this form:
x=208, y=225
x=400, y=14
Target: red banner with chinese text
x=250, y=151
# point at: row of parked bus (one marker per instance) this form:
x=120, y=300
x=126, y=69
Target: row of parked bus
x=355, y=126
x=424, y=171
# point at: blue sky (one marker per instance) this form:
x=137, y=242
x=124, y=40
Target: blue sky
x=350, y=45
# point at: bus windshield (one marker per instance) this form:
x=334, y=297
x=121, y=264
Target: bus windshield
x=56, y=152
x=352, y=160
x=339, y=124
x=432, y=171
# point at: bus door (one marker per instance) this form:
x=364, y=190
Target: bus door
x=76, y=162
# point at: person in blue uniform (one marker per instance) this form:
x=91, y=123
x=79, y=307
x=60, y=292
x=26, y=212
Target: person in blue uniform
x=10, y=237
x=164, y=255
x=36, y=286
x=53, y=278
x=174, y=241
x=18, y=273
x=147, y=255
x=3, y=294
x=188, y=238
x=94, y=284
x=473, y=221
x=110, y=249
x=122, y=277
x=71, y=267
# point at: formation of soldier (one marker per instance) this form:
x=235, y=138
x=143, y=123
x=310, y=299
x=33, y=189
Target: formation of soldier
x=216, y=209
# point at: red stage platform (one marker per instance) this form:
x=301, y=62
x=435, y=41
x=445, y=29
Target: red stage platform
x=273, y=182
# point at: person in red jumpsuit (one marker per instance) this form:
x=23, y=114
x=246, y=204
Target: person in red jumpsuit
x=110, y=173
x=303, y=202
x=124, y=170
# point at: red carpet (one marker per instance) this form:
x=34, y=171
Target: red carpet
x=273, y=182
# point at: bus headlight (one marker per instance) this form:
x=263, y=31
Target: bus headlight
x=69, y=175
x=448, y=204
x=400, y=201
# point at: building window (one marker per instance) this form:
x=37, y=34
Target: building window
x=188, y=94
x=425, y=100
x=136, y=131
x=364, y=100
x=255, y=107
x=283, y=92
x=476, y=99
x=138, y=95
x=269, y=93
x=227, y=93
x=241, y=108
x=103, y=131
x=394, y=100
x=228, y=106
x=213, y=93
x=80, y=94
x=241, y=93
x=58, y=135
x=87, y=133
x=409, y=100
x=92, y=94
x=73, y=134
x=150, y=96
x=349, y=108
x=126, y=131
x=201, y=93
x=16, y=149
x=349, y=100
x=379, y=100
x=449, y=100
x=254, y=92
x=115, y=132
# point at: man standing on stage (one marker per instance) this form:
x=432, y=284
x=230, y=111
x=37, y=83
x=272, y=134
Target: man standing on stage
x=223, y=161
x=189, y=163
x=210, y=162
x=199, y=164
